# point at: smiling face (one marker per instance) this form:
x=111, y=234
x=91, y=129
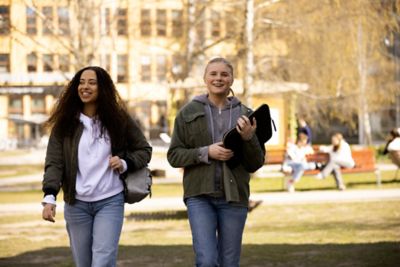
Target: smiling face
x=87, y=89
x=218, y=78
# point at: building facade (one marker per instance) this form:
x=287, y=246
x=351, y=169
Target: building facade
x=146, y=46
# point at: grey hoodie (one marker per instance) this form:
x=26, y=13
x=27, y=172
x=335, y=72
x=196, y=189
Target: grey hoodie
x=219, y=121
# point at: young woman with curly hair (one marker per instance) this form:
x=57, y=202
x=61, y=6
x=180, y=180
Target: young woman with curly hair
x=93, y=141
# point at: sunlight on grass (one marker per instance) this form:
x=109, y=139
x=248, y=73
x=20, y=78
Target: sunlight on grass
x=8, y=171
x=281, y=233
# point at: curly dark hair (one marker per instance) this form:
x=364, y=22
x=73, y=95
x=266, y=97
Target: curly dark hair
x=111, y=110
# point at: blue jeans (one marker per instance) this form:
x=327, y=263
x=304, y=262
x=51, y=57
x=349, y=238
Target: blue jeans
x=217, y=229
x=299, y=168
x=94, y=229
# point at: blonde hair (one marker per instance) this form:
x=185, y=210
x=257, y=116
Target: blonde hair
x=219, y=60
x=339, y=136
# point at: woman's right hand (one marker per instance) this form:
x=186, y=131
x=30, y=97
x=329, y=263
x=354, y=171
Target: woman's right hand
x=49, y=212
x=219, y=152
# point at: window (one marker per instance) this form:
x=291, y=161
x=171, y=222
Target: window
x=200, y=28
x=145, y=68
x=145, y=23
x=32, y=62
x=161, y=22
x=63, y=20
x=48, y=62
x=4, y=63
x=15, y=104
x=31, y=27
x=176, y=23
x=48, y=20
x=122, y=21
x=63, y=62
x=122, y=75
x=177, y=66
x=161, y=68
x=38, y=104
x=106, y=21
x=230, y=24
x=106, y=62
x=215, y=24
x=4, y=20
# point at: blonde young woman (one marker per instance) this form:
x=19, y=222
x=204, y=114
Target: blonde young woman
x=216, y=195
x=339, y=157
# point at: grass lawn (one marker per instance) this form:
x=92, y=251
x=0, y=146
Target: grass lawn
x=323, y=234
x=258, y=185
x=7, y=171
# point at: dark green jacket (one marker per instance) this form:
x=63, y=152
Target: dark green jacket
x=61, y=163
x=189, y=134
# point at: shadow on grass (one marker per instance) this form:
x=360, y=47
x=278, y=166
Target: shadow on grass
x=383, y=254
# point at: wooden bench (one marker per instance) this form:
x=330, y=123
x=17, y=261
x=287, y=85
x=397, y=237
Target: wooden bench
x=364, y=162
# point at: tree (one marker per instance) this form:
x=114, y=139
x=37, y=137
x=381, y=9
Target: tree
x=336, y=47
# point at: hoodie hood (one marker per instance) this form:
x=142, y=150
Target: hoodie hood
x=220, y=120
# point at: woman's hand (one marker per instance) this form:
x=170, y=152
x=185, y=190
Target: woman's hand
x=49, y=212
x=218, y=152
x=116, y=164
x=245, y=128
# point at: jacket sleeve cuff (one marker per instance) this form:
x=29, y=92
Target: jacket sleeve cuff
x=203, y=155
x=49, y=199
x=124, y=166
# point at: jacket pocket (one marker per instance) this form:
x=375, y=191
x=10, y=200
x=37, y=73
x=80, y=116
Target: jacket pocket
x=196, y=124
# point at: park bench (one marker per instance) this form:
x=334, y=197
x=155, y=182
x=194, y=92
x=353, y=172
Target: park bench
x=364, y=161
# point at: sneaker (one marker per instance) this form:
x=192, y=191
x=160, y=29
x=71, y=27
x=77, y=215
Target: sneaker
x=319, y=176
x=342, y=187
x=290, y=186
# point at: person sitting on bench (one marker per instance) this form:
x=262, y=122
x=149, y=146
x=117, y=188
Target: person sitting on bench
x=393, y=146
x=296, y=160
x=339, y=157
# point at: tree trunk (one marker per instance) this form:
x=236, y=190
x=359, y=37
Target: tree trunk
x=364, y=125
x=249, y=61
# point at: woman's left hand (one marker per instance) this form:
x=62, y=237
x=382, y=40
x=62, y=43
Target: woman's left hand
x=116, y=163
x=245, y=128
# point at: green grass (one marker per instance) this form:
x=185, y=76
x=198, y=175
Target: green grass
x=257, y=185
x=7, y=171
x=323, y=234
x=352, y=181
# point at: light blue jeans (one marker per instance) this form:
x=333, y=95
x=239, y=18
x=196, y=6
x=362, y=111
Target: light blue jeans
x=94, y=229
x=217, y=229
x=334, y=167
x=298, y=168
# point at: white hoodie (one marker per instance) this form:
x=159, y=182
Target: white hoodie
x=95, y=179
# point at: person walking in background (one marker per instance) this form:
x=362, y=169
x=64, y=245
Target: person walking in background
x=296, y=159
x=93, y=140
x=216, y=195
x=303, y=127
x=339, y=157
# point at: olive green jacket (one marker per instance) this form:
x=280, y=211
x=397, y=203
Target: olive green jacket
x=189, y=135
x=61, y=163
